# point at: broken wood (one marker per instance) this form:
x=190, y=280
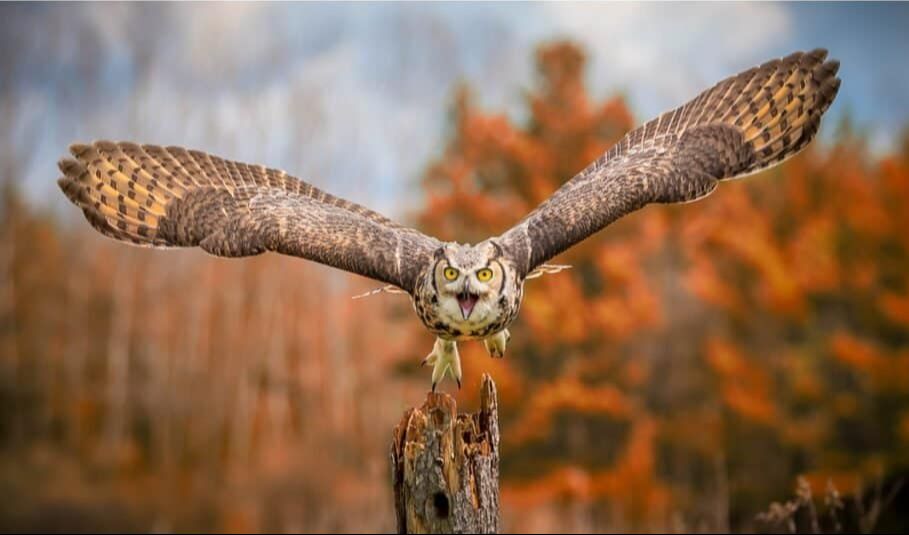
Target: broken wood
x=445, y=466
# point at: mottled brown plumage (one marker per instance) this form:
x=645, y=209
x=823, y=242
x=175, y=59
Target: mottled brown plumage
x=162, y=197
x=173, y=197
x=739, y=126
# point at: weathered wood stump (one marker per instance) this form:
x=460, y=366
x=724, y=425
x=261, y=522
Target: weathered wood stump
x=445, y=466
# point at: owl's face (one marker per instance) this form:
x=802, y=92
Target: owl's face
x=472, y=291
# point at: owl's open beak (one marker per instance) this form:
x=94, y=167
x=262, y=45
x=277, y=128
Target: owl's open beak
x=467, y=301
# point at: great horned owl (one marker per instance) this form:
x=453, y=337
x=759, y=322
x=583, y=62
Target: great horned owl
x=160, y=197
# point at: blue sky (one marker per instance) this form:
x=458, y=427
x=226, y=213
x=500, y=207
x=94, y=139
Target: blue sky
x=353, y=97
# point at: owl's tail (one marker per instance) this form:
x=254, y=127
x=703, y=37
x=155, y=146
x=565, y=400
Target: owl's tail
x=121, y=198
x=778, y=105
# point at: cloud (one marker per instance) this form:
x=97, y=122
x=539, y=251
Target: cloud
x=353, y=98
x=664, y=54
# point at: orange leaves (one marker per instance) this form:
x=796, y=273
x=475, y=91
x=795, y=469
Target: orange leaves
x=854, y=353
x=884, y=371
x=736, y=230
x=624, y=317
x=475, y=361
x=548, y=308
x=566, y=395
x=618, y=262
x=812, y=251
x=704, y=281
x=896, y=308
x=491, y=138
x=756, y=247
x=749, y=282
x=629, y=303
x=564, y=483
x=561, y=66
x=861, y=204
x=746, y=388
x=634, y=483
x=726, y=359
x=750, y=404
x=631, y=484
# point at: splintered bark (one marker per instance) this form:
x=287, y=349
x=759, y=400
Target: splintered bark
x=446, y=466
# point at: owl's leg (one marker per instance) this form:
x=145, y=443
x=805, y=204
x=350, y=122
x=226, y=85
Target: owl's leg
x=445, y=361
x=495, y=344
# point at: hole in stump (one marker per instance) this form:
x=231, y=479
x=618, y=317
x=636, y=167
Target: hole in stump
x=440, y=502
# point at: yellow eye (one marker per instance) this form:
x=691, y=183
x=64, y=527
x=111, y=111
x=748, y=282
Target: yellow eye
x=484, y=275
x=450, y=273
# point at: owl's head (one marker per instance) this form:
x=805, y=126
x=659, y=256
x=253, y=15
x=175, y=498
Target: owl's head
x=470, y=282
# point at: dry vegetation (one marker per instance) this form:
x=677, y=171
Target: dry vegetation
x=692, y=366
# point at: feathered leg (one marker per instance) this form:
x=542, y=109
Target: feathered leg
x=495, y=344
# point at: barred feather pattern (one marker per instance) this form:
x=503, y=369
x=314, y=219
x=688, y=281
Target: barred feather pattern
x=743, y=124
x=172, y=197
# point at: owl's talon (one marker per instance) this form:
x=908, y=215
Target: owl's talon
x=445, y=361
x=495, y=344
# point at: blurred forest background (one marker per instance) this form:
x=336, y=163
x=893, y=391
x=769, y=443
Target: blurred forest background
x=699, y=363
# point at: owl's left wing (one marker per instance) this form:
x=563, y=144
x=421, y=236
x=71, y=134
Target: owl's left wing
x=172, y=197
x=743, y=124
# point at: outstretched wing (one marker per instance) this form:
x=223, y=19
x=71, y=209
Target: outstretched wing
x=741, y=125
x=160, y=197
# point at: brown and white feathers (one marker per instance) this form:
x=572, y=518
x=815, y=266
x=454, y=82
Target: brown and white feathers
x=156, y=196
x=741, y=125
x=172, y=197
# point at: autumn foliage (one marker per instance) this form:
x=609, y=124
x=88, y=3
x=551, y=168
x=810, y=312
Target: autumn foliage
x=697, y=358
x=690, y=367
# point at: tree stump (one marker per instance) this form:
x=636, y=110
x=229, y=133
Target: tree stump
x=445, y=466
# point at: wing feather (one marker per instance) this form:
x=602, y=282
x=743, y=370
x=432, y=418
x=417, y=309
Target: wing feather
x=172, y=197
x=741, y=125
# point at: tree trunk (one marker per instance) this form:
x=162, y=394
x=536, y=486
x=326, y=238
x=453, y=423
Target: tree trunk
x=446, y=466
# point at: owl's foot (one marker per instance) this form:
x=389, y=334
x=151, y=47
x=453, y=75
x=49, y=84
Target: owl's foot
x=495, y=344
x=445, y=361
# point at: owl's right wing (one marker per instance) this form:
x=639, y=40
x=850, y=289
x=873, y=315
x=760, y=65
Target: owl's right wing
x=161, y=197
x=741, y=125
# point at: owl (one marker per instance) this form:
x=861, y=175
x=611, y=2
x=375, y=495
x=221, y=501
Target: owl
x=156, y=196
